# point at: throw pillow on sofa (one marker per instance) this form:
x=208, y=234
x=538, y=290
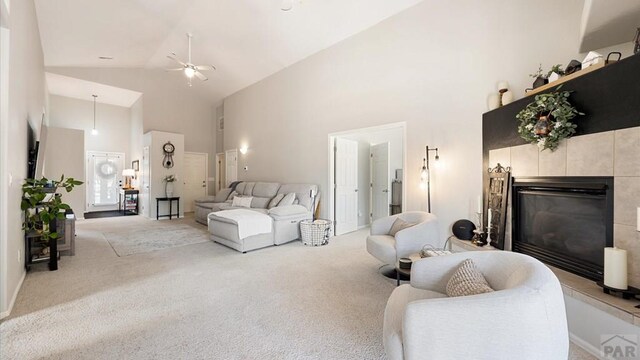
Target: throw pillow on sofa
x=222, y=195
x=231, y=197
x=275, y=201
x=242, y=201
x=398, y=225
x=467, y=280
x=288, y=199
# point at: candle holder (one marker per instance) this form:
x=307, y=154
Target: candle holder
x=479, y=238
x=627, y=294
x=488, y=239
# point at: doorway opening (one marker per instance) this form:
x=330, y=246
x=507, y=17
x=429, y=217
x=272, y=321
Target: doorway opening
x=231, y=166
x=196, y=172
x=366, y=175
x=104, y=180
x=221, y=179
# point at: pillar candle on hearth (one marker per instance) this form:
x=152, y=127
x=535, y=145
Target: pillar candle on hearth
x=615, y=268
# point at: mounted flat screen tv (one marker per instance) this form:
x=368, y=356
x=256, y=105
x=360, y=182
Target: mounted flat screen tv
x=35, y=165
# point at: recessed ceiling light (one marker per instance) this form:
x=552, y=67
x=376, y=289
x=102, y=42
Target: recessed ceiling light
x=105, y=57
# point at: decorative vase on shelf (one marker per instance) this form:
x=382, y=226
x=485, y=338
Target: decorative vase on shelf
x=507, y=97
x=168, y=189
x=543, y=126
x=493, y=101
x=540, y=81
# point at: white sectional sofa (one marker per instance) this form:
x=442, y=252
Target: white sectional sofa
x=285, y=218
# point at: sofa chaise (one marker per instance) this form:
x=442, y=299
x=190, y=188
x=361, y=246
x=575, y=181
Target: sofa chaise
x=284, y=219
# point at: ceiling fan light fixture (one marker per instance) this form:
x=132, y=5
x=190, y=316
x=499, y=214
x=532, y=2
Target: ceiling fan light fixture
x=189, y=72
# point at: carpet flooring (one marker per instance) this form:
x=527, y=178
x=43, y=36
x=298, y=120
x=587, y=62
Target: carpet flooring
x=201, y=301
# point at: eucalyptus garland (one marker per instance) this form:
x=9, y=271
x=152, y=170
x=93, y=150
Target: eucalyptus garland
x=546, y=121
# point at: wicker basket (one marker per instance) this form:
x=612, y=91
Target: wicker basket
x=315, y=232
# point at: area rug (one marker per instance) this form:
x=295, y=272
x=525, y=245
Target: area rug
x=145, y=239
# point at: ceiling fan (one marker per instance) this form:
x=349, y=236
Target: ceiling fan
x=190, y=70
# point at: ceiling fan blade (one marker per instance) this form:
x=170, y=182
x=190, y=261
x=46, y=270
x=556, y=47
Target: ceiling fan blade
x=201, y=76
x=173, y=57
x=205, y=67
x=175, y=69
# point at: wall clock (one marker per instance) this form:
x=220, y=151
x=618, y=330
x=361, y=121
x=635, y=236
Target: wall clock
x=168, y=149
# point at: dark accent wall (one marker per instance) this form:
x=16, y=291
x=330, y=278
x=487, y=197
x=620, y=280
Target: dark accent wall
x=609, y=97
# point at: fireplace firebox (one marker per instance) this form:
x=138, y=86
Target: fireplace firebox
x=564, y=221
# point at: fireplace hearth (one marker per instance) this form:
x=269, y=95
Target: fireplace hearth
x=564, y=221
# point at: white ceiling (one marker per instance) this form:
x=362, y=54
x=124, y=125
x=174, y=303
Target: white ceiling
x=606, y=23
x=83, y=90
x=247, y=40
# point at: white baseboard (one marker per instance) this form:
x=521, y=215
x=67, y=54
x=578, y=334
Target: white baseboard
x=585, y=345
x=7, y=312
x=363, y=226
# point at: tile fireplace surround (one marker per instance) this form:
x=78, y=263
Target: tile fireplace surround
x=612, y=153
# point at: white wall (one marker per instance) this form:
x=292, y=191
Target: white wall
x=432, y=66
x=112, y=122
x=135, y=137
x=65, y=156
x=169, y=104
x=27, y=100
x=155, y=140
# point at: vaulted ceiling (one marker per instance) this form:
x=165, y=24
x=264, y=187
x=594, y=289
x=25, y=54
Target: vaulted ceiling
x=606, y=23
x=247, y=40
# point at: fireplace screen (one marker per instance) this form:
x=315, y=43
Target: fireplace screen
x=565, y=223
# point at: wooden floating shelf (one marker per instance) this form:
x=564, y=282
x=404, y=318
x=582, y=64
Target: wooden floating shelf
x=564, y=79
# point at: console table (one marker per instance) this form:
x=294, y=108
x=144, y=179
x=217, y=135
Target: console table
x=128, y=201
x=170, y=200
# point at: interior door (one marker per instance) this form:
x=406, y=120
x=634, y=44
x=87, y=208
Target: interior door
x=346, y=185
x=146, y=178
x=104, y=180
x=380, y=181
x=231, y=166
x=195, y=178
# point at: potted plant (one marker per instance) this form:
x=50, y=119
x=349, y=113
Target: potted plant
x=546, y=121
x=540, y=78
x=41, y=194
x=168, y=185
x=555, y=73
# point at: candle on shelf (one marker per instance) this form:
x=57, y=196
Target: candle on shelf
x=615, y=268
x=489, y=218
x=479, y=206
x=638, y=220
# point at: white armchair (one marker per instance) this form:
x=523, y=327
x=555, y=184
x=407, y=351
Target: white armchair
x=388, y=249
x=523, y=319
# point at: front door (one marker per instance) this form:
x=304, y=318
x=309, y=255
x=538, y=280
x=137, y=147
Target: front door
x=346, y=185
x=104, y=180
x=231, y=164
x=380, y=181
x=195, y=178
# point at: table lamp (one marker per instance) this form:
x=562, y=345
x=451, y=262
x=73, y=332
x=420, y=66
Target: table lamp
x=128, y=174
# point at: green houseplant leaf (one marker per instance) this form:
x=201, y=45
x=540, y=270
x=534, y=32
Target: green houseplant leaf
x=42, y=194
